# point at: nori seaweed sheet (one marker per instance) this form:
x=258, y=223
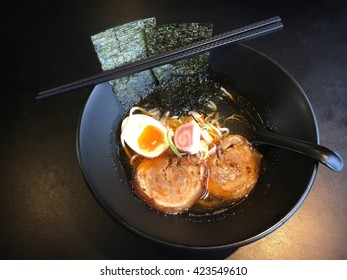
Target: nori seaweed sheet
x=120, y=45
x=182, y=94
x=139, y=39
x=166, y=37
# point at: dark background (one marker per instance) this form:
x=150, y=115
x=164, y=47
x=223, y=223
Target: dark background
x=46, y=209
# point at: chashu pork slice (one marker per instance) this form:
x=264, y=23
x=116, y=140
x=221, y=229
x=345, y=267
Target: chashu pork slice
x=234, y=168
x=170, y=184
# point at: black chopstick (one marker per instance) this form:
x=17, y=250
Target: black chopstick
x=232, y=37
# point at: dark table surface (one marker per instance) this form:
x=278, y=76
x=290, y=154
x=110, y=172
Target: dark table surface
x=46, y=209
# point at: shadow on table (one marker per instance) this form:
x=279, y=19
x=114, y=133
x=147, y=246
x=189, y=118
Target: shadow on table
x=115, y=242
x=171, y=253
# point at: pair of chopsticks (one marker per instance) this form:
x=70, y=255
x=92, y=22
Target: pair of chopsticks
x=232, y=37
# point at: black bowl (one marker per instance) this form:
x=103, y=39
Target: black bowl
x=284, y=182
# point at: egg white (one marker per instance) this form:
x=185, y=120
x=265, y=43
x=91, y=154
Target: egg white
x=132, y=128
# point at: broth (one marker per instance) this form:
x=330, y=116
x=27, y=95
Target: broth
x=231, y=113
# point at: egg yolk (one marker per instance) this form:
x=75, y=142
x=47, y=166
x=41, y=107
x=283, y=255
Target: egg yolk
x=151, y=138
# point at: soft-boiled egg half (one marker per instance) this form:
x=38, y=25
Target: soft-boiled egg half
x=144, y=135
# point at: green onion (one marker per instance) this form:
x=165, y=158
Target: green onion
x=172, y=145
